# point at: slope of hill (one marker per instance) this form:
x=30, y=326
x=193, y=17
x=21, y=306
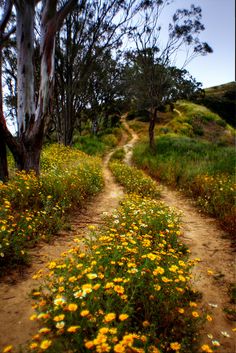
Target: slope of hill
x=221, y=100
x=195, y=120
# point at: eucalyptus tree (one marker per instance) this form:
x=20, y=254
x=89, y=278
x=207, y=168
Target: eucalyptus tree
x=31, y=114
x=5, y=33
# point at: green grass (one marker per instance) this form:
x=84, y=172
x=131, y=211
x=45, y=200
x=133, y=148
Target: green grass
x=100, y=144
x=201, y=169
x=194, y=120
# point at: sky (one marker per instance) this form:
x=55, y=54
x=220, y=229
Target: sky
x=218, y=17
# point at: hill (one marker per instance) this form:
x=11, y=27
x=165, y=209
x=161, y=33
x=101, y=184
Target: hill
x=221, y=100
x=196, y=120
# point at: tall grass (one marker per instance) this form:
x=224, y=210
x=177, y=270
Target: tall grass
x=201, y=169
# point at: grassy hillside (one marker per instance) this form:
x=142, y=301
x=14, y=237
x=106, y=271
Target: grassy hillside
x=222, y=100
x=195, y=152
x=195, y=120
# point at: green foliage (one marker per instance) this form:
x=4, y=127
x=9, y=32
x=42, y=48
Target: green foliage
x=119, y=155
x=129, y=291
x=200, y=168
x=134, y=180
x=195, y=120
x=34, y=208
x=100, y=144
x=91, y=145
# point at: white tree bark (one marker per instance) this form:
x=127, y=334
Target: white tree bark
x=25, y=69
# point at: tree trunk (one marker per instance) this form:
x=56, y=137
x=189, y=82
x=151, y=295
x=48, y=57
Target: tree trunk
x=3, y=158
x=151, y=128
x=3, y=150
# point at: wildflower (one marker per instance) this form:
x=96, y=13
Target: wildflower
x=158, y=270
x=44, y=330
x=123, y=317
x=181, y=310
x=60, y=325
x=72, y=307
x=119, y=289
x=73, y=329
x=84, y=313
x=89, y=344
x=59, y=301
x=33, y=345
x=209, y=318
x=119, y=348
x=175, y=346
x=215, y=343
x=109, y=317
x=195, y=314
x=91, y=275
x=45, y=344
x=59, y=318
x=104, y=330
x=7, y=349
x=206, y=348
x=225, y=334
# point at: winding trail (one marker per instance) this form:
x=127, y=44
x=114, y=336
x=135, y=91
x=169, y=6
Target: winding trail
x=200, y=233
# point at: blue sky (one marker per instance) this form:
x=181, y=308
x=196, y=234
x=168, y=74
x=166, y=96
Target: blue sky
x=218, y=17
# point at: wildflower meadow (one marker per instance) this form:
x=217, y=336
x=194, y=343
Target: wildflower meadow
x=34, y=208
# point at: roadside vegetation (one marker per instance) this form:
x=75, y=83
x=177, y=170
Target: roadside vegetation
x=202, y=169
x=98, y=145
x=33, y=208
x=129, y=290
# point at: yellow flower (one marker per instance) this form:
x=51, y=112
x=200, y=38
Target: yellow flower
x=175, y=346
x=181, y=310
x=44, y=330
x=123, y=317
x=195, y=314
x=33, y=345
x=192, y=304
x=72, y=307
x=45, y=344
x=119, y=348
x=72, y=329
x=119, y=289
x=206, y=348
x=59, y=317
x=84, y=313
x=7, y=349
x=104, y=330
x=109, y=317
x=158, y=270
x=89, y=344
x=209, y=318
x=91, y=275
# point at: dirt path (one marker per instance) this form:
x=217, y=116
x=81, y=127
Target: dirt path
x=215, y=271
x=200, y=233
